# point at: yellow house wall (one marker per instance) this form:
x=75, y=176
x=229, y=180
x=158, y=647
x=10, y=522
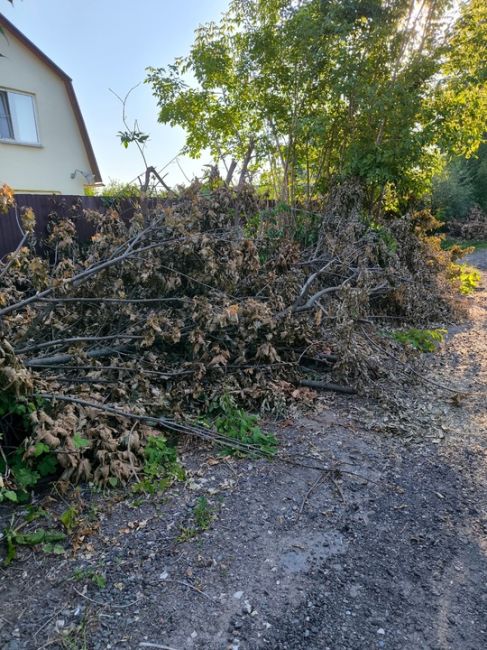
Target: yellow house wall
x=47, y=167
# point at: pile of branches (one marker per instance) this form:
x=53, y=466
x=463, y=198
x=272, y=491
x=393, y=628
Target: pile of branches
x=473, y=227
x=143, y=327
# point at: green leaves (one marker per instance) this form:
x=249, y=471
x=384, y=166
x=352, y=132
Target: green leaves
x=8, y=495
x=127, y=137
x=80, y=442
x=47, y=538
x=239, y=425
x=461, y=98
x=421, y=340
x=69, y=518
x=161, y=466
x=329, y=89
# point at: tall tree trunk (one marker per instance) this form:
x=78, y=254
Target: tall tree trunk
x=231, y=171
x=246, y=162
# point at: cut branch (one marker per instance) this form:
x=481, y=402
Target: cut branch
x=75, y=339
x=59, y=359
x=323, y=385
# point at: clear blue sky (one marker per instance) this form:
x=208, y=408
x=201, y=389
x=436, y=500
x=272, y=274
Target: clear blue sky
x=104, y=44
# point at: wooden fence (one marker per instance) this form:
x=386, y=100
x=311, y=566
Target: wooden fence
x=46, y=207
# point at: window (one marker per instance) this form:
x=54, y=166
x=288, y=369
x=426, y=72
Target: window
x=18, y=118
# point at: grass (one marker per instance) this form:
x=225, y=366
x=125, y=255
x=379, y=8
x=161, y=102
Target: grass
x=203, y=515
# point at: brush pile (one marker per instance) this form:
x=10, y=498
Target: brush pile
x=212, y=295
x=473, y=227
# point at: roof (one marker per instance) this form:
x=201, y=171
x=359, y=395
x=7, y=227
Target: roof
x=6, y=24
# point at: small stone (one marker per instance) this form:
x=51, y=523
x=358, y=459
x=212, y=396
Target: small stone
x=381, y=631
x=238, y=595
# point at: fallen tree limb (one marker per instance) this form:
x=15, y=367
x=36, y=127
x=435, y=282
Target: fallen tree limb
x=323, y=385
x=169, y=424
x=80, y=277
x=75, y=339
x=129, y=301
x=144, y=371
x=59, y=359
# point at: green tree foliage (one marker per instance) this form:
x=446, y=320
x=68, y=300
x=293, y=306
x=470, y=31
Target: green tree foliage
x=307, y=92
x=461, y=101
x=461, y=185
x=453, y=191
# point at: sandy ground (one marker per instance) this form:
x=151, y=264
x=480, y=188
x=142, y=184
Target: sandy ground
x=383, y=546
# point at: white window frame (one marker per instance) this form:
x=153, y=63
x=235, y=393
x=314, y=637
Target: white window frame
x=14, y=119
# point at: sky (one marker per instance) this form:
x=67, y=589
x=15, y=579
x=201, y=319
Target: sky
x=103, y=44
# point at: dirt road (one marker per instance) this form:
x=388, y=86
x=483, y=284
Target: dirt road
x=387, y=548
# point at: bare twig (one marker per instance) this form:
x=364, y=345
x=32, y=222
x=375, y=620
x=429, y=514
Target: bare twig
x=190, y=586
x=13, y=255
x=313, y=487
x=148, y=644
x=304, y=291
x=130, y=301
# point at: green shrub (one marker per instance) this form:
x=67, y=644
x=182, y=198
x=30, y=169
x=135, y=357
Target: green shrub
x=468, y=276
x=239, y=425
x=422, y=340
x=161, y=466
x=24, y=474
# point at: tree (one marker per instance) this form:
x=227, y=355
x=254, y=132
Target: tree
x=308, y=92
x=461, y=185
x=460, y=106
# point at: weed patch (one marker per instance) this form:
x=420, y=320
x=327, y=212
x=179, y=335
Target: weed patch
x=89, y=575
x=421, y=340
x=161, y=466
x=203, y=513
x=237, y=424
x=468, y=277
x=47, y=539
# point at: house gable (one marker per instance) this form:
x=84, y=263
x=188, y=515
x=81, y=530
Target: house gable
x=64, y=144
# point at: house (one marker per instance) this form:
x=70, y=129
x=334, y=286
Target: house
x=44, y=144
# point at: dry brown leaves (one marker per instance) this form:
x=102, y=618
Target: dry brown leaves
x=162, y=318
